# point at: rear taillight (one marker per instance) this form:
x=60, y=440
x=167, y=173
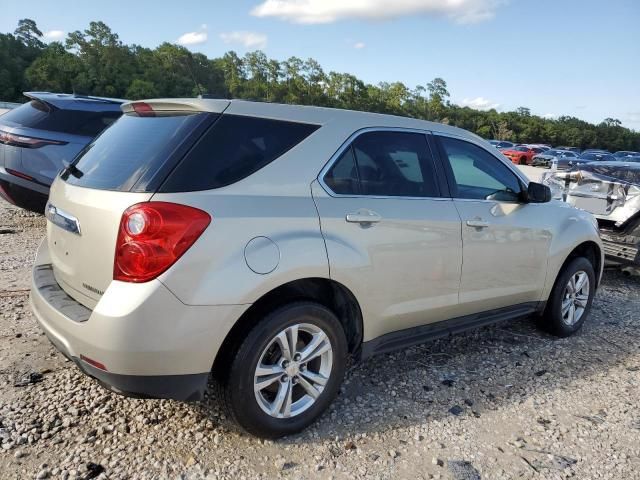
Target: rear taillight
x=153, y=236
x=25, y=141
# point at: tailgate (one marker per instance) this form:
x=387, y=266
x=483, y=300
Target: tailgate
x=82, y=233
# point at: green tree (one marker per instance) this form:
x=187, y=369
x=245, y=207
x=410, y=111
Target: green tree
x=95, y=61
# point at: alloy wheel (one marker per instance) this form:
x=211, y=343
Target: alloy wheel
x=575, y=298
x=293, y=370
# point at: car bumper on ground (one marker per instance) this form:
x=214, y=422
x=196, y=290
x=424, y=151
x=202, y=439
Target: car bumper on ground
x=538, y=162
x=140, y=340
x=619, y=251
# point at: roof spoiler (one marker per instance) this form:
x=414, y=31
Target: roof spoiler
x=176, y=105
x=43, y=97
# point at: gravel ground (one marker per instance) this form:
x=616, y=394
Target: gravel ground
x=503, y=402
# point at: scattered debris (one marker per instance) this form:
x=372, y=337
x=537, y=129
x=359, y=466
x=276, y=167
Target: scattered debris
x=462, y=470
x=456, y=410
x=29, y=379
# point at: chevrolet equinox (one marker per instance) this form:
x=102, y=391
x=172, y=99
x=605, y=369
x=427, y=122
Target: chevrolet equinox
x=256, y=247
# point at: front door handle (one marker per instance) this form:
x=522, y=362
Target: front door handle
x=477, y=223
x=363, y=216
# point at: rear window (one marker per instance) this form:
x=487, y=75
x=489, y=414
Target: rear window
x=37, y=114
x=234, y=148
x=131, y=148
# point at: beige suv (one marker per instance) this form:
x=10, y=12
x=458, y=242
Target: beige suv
x=260, y=246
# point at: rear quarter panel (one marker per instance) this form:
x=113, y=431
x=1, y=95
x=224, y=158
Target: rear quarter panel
x=214, y=271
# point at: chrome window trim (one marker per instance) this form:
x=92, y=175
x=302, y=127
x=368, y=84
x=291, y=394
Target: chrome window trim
x=347, y=144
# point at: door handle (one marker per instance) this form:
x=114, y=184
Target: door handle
x=363, y=216
x=477, y=223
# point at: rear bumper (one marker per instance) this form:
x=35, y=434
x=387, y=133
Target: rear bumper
x=149, y=343
x=177, y=387
x=23, y=193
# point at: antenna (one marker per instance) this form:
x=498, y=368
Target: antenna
x=193, y=77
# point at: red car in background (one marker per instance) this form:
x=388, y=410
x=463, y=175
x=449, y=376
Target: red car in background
x=521, y=154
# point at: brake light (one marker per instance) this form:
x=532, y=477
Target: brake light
x=19, y=174
x=143, y=109
x=25, y=141
x=153, y=236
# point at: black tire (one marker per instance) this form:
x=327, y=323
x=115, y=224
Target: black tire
x=523, y=161
x=552, y=320
x=236, y=390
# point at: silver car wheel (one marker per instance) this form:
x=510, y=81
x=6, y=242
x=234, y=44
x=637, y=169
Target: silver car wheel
x=575, y=298
x=293, y=370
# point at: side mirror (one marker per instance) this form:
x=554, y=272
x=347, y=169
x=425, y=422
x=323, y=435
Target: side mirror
x=538, y=193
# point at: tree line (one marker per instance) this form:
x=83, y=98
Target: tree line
x=96, y=62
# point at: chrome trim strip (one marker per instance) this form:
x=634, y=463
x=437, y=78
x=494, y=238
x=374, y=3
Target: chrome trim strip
x=62, y=219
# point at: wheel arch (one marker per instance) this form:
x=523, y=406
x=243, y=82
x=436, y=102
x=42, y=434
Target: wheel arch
x=329, y=293
x=589, y=250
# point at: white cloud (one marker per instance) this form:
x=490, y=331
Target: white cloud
x=53, y=35
x=329, y=11
x=194, y=38
x=359, y=45
x=246, y=39
x=479, y=103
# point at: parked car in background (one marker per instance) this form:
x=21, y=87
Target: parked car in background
x=261, y=246
x=587, y=157
x=623, y=154
x=596, y=150
x=575, y=150
x=521, y=154
x=40, y=136
x=611, y=191
x=500, y=144
x=560, y=157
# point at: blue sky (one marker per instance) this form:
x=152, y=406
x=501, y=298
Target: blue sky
x=557, y=57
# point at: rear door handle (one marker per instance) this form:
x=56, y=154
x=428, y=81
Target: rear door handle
x=477, y=223
x=363, y=216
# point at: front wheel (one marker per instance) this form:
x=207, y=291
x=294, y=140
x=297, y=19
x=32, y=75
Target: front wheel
x=571, y=298
x=287, y=371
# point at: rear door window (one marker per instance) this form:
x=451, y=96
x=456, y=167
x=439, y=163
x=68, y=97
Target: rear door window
x=133, y=147
x=385, y=163
x=232, y=149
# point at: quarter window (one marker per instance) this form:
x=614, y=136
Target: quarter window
x=343, y=176
x=392, y=164
x=477, y=174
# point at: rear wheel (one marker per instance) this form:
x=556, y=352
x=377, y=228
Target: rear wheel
x=571, y=298
x=287, y=371
x=523, y=161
